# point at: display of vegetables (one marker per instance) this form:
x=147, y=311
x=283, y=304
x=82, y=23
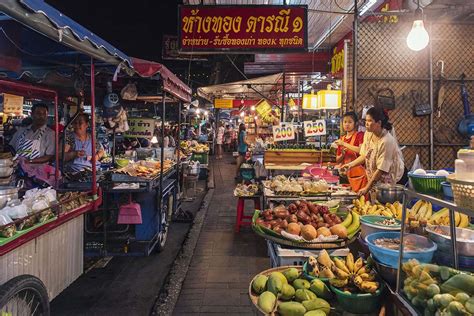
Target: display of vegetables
x=282, y=185
x=246, y=189
x=438, y=290
x=194, y=147
x=363, y=207
x=287, y=293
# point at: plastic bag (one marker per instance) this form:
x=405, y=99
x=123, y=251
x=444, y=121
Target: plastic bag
x=416, y=164
x=129, y=92
x=4, y=218
x=16, y=212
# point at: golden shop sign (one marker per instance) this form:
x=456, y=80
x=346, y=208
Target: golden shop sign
x=243, y=28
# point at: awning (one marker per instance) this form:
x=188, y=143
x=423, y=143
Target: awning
x=171, y=83
x=255, y=89
x=46, y=20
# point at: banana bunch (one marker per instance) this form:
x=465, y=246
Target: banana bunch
x=351, y=223
x=363, y=207
x=422, y=210
x=349, y=273
x=442, y=218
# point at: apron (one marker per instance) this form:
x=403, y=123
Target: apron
x=357, y=175
x=30, y=149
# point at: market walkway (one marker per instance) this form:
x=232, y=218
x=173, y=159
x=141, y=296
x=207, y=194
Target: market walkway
x=224, y=262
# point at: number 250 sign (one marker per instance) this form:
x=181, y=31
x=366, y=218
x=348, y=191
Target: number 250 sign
x=283, y=132
x=315, y=128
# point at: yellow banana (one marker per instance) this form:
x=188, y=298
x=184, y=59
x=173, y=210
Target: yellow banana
x=457, y=218
x=429, y=212
x=369, y=286
x=358, y=264
x=341, y=265
x=387, y=213
x=338, y=282
x=358, y=280
x=421, y=211
x=416, y=207
x=362, y=200
x=341, y=274
x=464, y=221
x=350, y=262
x=434, y=219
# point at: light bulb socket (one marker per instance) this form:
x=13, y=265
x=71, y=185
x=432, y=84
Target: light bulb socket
x=418, y=14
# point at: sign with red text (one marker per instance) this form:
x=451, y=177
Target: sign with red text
x=316, y=128
x=284, y=131
x=243, y=28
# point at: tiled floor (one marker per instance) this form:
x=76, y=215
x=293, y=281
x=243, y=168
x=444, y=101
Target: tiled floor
x=224, y=262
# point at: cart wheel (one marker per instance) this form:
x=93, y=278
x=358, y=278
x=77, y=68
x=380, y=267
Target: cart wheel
x=24, y=295
x=164, y=225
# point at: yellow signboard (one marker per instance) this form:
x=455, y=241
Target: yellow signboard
x=12, y=104
x=263, y=108
x=223, y=103
x=140, y=128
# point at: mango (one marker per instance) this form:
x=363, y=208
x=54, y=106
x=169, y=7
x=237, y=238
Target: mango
x=287, y=292
x=462, y=297
x=317, y=304
x=301, y=284
x=280, y=276
x=316, y=312
x=320, y=289
x=470, y=305
x=304, y=295
x=456, y=309
x=291, y=309
x=266, y=301
x=291, y=274
x=274, y=284
x=259, y=284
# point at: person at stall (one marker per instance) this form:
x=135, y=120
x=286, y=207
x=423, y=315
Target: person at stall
x=348, y=150
x=242, y=147
x=379, y=151
x=78, y=148
x=228, y=137
x=191, y=134
x=35, y=142
x=220, y=140
x=168, y=140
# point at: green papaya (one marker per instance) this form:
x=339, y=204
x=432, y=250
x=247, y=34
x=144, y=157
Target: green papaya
x=320, y=289
x=457, y=309
x=459, y=283
x=280, y=276
x=316, y=312
x=304, y=295
x=274, y=284
x=259, y=284
x=317, y=304
x=266, y=301
x=291, y=309
x=287, y=292
x=301, y=284
x=291, y=274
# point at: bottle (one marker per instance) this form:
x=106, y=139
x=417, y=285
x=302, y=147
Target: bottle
x=126, y=247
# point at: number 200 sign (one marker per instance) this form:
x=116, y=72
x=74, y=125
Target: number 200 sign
x=316, y=128
x=283, y=132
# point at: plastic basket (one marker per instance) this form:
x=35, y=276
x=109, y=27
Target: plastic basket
x=427, y=184
x=463, y=191
x=203, y=158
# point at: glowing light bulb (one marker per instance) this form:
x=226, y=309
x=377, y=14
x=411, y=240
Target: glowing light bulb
x=206, y=113
x=418, y=37
x=198, y=111
x=252, y=108
x=255, y=117
x=154, y=140
x=242, y=114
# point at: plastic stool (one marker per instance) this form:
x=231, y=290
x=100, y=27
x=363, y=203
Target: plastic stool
x=240, y=211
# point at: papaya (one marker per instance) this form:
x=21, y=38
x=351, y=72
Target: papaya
x=316, y=312
x=319, y=288
x=301, y=284
x=274, y=284
x=291, y=274
x=317, y=304
x=291, y=309
x=459, y=283
x=266, y=301
x=456, y=309
x=287, y=292
x=304, y=295
x=259, y=284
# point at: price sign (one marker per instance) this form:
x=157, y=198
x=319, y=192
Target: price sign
x=315, y=128
x=12, y=104
x=283, y=132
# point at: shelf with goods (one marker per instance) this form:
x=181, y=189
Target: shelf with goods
x=426, y=288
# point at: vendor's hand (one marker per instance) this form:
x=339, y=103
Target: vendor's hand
x=344, y=168
x=80, y=153
x=340, y=142
x=363, y=191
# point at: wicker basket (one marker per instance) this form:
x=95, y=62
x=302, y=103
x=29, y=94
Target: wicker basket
x=463, y=191
x=427, y=184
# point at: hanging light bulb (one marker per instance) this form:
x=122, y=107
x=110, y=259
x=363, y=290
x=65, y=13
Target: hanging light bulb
x=198, y=111
x=252, y=108
x=154, y=140
x=418, y=38
x=242, y=114
x=255, y=117
x=206, y=113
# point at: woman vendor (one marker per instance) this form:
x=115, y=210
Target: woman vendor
x=78, y=147
x=242, y=147
x=348, y=150
x=379, y=151
x=35, y=143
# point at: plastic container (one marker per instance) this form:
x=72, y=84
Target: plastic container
x=359, y=303
x=368, y=225
x=464, y=165
x=427, y=184
x=447, y=190
x=202, y=158
x=389, y=257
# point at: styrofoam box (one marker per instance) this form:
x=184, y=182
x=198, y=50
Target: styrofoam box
x=282, y=256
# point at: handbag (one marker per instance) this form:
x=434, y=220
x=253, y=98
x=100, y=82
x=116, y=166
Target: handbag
x=356, y=175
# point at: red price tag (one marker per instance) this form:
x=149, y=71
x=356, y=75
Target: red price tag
x=283, y=132
x=316, y=128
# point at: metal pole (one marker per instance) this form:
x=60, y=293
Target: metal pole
x=93, y=160
x=431, y=103
x=345, y=77
x=354, y=55
x=402, y=235
x=162, y=144
x=56, y=137
x=452, y=228
x=282, y=116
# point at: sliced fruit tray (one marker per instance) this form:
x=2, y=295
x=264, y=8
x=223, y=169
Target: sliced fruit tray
x=279, y=239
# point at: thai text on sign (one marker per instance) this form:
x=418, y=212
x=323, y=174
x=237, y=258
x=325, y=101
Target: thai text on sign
x=208, y=28
x=316, y=128
x=283, y=132
x=140, y=128
x=12, y=104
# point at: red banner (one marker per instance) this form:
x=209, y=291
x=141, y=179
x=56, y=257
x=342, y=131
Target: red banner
x=243, y=28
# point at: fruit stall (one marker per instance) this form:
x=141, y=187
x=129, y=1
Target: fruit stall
x=389, y=256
